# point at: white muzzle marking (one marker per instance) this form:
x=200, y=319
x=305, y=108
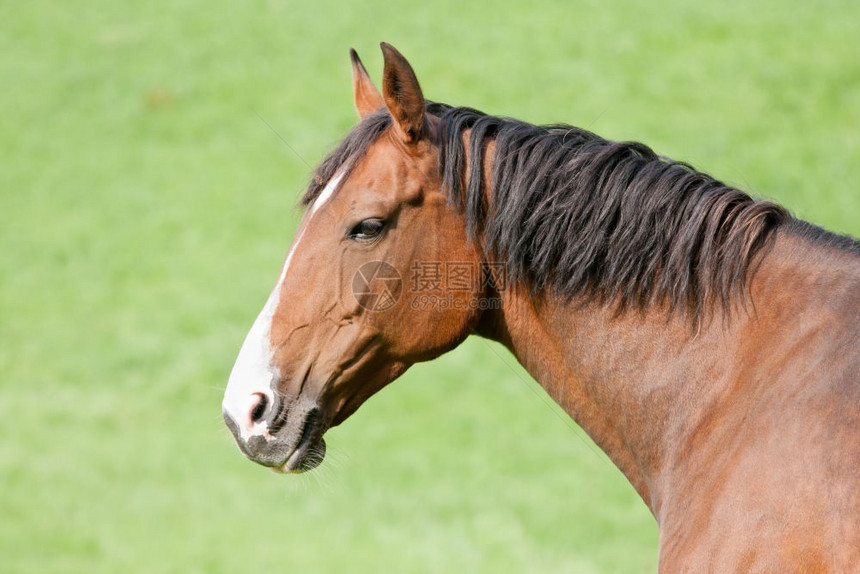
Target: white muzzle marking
x=254, y=371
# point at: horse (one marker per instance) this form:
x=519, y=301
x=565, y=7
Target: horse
x=705, y=340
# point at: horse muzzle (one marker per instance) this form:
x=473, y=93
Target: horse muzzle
x=286, y=438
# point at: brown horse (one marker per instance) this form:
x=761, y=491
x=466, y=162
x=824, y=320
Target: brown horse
x=706, y=341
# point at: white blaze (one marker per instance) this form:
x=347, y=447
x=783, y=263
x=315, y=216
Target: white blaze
x=253, y=370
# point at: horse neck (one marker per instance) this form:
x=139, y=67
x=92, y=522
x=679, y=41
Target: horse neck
x=646, y=386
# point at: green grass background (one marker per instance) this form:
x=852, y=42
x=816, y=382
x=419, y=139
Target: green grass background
x=145, y=209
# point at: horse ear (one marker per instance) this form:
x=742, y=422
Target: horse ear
x=402, y=94
x=365, y=97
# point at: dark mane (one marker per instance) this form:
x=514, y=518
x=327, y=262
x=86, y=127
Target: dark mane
x=590, y=219
x=599, y=220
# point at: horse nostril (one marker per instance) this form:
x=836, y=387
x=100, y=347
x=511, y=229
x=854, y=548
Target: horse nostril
x=258, y=411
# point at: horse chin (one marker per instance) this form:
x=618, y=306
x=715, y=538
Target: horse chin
x=306, y=457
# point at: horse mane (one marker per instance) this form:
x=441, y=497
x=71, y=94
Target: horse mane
x=589, y=218
x=600, y=220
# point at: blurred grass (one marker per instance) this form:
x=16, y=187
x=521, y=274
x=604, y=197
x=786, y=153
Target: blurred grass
x=145, y=208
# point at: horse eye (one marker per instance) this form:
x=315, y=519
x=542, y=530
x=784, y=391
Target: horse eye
x=367, y=229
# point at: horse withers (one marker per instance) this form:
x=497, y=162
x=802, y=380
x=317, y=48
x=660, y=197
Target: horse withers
x=708, y=342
